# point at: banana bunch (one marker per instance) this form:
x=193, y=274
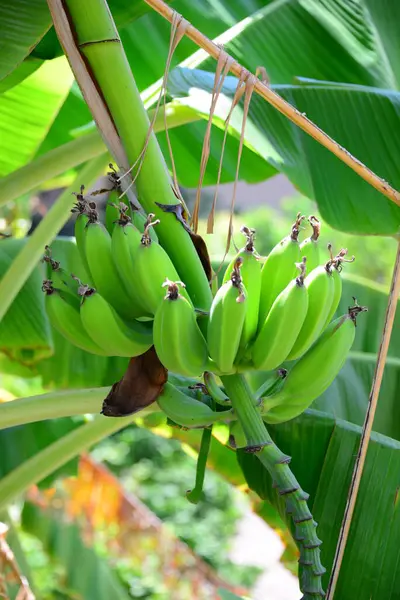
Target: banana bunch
x=268, y=311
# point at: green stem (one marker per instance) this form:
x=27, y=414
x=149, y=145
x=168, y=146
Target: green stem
x=27, y=259
x=195, y=495
x=50, y=165
x=69, y=155
x=54, y=405
x=99, y=43
x=277, y=464
x=57, y=454
x=69, y=403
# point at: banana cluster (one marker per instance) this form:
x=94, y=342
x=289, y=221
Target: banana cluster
x=268, y=310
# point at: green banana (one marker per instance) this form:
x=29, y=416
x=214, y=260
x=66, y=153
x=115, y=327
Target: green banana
x=315, y=371
x=178, y=341
x=309, y=246
x=60, y=278
x=97, y=242
x=112, y=212
x=226, y=321
x=214, y=390
x=84, y=209
x=125, y=243
x=188, y=412
x=250, y=273
x=337, y=280
x=64, y=316
x=152, y=267
x=282, y=325
x=320, y=288
x=272, y=384
x=108, y=330
x=279, y=269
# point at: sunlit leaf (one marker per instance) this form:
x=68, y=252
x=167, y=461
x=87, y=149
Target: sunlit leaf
x=27, y=111
x=23, y=23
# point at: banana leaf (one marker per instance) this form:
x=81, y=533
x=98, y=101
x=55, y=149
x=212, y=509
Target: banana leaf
x=23, y=24
x=364, y=118
x=25, y=334
x=28, y=109
x=323, y=451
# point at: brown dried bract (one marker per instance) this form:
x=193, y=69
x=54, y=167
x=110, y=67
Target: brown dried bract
x=141, y=385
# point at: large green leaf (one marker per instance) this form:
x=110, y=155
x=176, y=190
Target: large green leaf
x=25, y=334
x=86, y=574
x=363, y=121
x=323, y=452
x=23, y=23
x=27, y=111
x=21, y=443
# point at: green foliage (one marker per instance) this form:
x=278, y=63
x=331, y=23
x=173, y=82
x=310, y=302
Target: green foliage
x=323, y=451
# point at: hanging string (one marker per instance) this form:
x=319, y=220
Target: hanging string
x=223, y=66
x=249, y=88
x=240, y=88
x=179, y=26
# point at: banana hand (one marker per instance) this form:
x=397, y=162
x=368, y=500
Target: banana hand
x=315, y=371
x=64, y=315
x=108, y=330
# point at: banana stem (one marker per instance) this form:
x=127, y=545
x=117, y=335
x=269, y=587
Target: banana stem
x=195, y=495
x=27, y=259
x=277, y=464
x=98, y=41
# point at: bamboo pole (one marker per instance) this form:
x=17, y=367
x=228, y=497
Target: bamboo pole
x=285, y=108
x=367, y=427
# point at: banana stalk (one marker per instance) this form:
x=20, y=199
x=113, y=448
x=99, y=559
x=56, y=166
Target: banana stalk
x=93, y=25
x=277, y=464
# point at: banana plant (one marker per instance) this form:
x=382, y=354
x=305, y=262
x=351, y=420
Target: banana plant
x=272, y=144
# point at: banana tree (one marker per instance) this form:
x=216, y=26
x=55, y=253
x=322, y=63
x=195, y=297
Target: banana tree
x=359, y=75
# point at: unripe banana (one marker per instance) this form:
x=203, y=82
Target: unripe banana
x=61, y=280
x=271, y=385
x=214, y=390
x=226, y=321
x=320, y=288
x=178, y=341
x=337, y=262
x=152, y=267
x=279, y=269
x=250, y=273
x=186, y=411
x=105, y=277
x=315, y=371
x=309, y=247
x=84, y=210
x=282, y=325
x=112, y=211
x=64, y=316
x=125, y=242
x=108, y=330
